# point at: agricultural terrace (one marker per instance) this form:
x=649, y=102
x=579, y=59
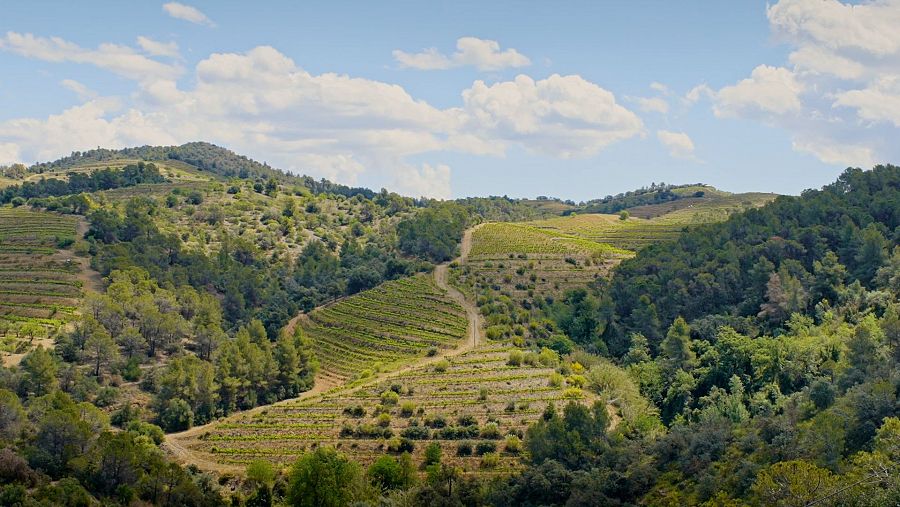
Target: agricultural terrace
x=476, y=406
x=381, y=328
x=503, y=238
x=652, y=223
x=40, y=289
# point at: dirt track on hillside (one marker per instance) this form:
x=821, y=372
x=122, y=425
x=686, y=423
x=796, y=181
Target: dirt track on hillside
x=176, y=443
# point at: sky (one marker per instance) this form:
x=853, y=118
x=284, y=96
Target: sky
x=570, y=99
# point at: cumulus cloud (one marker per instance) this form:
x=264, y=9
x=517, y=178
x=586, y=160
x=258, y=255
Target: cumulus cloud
x=121, y=60
x=262, y=103
x=480, y=53
x=156, y=48
x=186, y=13
x=679, y=144
x=768, y=90
x=840, y=96
x=562, y=116
x=427, y=181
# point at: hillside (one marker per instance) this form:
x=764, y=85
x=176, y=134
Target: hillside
x=244, y=319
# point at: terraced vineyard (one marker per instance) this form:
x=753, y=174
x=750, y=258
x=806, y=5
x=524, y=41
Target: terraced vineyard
x=383, y=327
x=501, y=239
x=472, y=405
x=39, y=286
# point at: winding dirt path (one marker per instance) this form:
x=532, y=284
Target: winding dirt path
x=177, y=443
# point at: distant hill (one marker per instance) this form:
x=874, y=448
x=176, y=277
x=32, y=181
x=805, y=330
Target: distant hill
x=645, y=202
x=205, y=157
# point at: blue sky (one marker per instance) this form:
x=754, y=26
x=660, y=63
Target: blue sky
x=570, y=99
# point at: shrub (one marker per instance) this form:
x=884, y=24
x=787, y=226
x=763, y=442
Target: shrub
x=490, y=460
x=384, y=420
x=441, y=366
x=556, y=379
x=467, y=420
x=407, y=408
x=416, y=433
x=432, y=351
x=515, y=358
x=399, y=445
x=464, y=449
x=485, y=447
x=355, y=411
x=513, y=444
x=389, y=398
x=437, y=421
x=433, y=454
x=573, y=393
x=490, y=431
x=483, y=394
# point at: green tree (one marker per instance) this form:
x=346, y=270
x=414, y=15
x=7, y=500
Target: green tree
x=100, y=350
x=388, y=473
x=676, y=348
x=323, y=478
x=39, y=372
x=871, y=255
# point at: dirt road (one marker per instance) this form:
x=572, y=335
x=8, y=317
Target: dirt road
x=177, y=443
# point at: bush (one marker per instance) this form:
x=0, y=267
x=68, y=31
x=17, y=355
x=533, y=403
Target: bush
x=464, y=449
x=441, y=366
x=467, y=420
x=433, y=454
x=485, y=447
x=384, y=420
x=515, y=358
x=176, y=416
x=407, y=409
x=556, y=379
x=573, y=393
x=416, y=433
x=399, y=445
x=490, y=460
x=106, y=397
x=513, y=444
x=149, y=430
x=490, y=431
x=355, y=411
x=437, y=421
x=389, y=398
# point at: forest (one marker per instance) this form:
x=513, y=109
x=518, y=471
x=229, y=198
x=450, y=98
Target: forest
x=749, y=361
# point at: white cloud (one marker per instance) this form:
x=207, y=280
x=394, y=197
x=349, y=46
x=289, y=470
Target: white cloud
x=562, y=116
x=768, y=90
x=330, y=125
x=156, y=48
x=829, y=152
x=660, y=87
x=679, y=144
x=869, y=27
x=699, y=92
x=81, y=90
x=121, y=60
x=427, y=181
x=840, y=101
x=9, y=153
x=652, y=104
x=480, y=53
x=187, y=13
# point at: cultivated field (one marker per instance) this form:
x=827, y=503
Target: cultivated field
x=40, y=288
x=384, y=327
x=472, y=405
